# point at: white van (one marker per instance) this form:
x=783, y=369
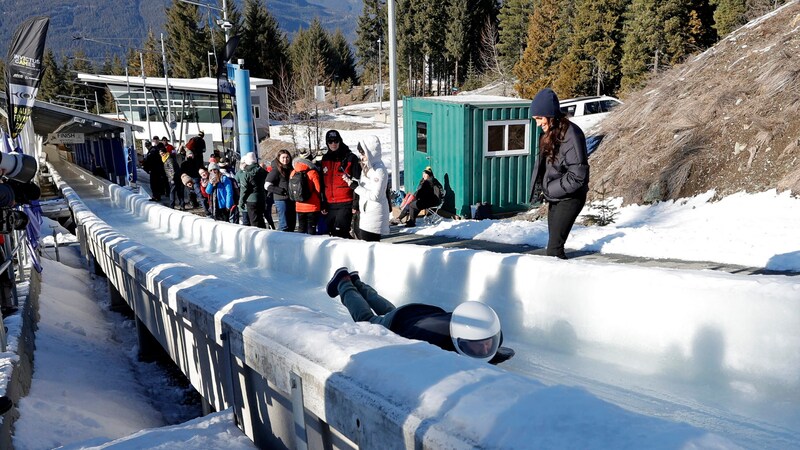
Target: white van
x=586, y=112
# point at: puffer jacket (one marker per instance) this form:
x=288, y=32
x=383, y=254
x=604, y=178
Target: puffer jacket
x=567, y=176
x=314, y=185
x=371, y=190
x=278, y=182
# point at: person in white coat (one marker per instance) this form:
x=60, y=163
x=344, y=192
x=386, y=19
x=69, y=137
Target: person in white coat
x=371, y=190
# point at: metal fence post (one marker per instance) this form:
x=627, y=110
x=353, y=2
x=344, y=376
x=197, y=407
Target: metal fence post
x=298, y=412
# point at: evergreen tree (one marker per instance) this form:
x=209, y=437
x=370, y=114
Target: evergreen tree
x=370, y=28
x=184, y=40
x=263, y=45
x=536, y=69
x=642, y=36
x=661, y=34
x=456, y=38
x=310, y=54
x=53, y=82
x=479, y=12
x=409, y=49
x=729, y=15
x=514, y=16
x=594, y=49
x=345, y=66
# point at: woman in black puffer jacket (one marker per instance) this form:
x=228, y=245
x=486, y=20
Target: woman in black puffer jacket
x=278, y=184
x=561, y=171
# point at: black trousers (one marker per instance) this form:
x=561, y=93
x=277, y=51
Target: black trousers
x=560, y=218
x=340, y=219
x=307, y=222
x=255, y=212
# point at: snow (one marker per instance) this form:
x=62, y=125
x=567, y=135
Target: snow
x=753, y=230
x=676, y=358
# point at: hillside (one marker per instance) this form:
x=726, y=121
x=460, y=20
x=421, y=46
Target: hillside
x=116, y=21
x=727, y=120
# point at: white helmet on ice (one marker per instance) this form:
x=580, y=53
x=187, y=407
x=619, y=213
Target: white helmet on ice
x=475, y=330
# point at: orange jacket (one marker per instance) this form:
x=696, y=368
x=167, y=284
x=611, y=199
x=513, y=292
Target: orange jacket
x=313, y=203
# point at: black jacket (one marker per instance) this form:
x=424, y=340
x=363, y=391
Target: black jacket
x=429, y=193
x=279, y=181
x=568, y=176
x=424, y=323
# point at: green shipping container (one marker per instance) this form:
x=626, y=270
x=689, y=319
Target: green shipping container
x=481, y=148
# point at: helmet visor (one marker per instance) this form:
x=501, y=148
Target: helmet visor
x=479, y=348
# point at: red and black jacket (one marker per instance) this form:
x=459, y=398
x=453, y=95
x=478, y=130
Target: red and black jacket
x=335, y=190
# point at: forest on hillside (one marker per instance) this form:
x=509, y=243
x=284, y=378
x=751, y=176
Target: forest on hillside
x=579, y=47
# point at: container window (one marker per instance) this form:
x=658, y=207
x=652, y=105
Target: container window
x=422, y=137
x=256, y=112
x=496, y=135
x=506, y=137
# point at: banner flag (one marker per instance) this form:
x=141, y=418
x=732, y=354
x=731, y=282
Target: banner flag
x=24, y=71
x=226, y=95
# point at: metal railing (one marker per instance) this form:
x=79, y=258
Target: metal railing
x=15, y=276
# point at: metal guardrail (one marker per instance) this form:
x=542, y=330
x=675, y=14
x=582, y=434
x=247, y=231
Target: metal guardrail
x=16, y=276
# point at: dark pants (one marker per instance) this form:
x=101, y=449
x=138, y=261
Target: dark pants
x=560, y=218
x=339, y=219
x=268, y=211
x=176, y=193
x=255, y=212
x=365, y=304
x=307, y=222
x=368, y=236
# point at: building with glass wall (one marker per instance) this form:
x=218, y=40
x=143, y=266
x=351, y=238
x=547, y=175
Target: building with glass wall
x=190, y=107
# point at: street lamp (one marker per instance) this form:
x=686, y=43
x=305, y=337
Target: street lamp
x=379, y=91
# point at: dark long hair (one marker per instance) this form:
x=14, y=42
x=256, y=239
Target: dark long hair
x=550, y=141
x=286, y=169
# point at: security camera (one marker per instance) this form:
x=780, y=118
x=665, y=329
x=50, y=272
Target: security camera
x=226, y=25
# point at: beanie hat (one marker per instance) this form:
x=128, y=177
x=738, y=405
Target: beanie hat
x=333, y=135
x=545, y=104
x=213, y=165
x=249, y=158
x=429, y=171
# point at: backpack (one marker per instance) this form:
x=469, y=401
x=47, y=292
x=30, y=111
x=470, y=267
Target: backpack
x=298, y=186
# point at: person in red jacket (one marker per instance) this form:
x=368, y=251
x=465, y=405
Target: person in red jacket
x=339, y=201
x=308, y=211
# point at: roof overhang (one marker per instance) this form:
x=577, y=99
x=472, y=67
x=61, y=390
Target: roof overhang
x=49, y=118
x=205, y=84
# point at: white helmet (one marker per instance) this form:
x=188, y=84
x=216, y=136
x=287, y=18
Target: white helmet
x=475, y=330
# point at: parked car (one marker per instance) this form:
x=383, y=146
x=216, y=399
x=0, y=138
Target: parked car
x=586, y=112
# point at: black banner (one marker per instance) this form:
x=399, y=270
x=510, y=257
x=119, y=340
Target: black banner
x=24, y=71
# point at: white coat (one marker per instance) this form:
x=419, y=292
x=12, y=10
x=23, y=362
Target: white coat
x=371, y=190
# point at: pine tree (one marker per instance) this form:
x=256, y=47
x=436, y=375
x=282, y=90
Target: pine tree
x=370, y=28
x=594, y=49
x=642, y=36
x=514, y=17
x=729, y=15
x=456, y=38
x=186, y=55
x=345, y=68
x=53, y=82
x=536, y=69
x=310, y=55
x=263, y=45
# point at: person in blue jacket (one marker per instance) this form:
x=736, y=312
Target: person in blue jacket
x=220, y=188
x=472, y=329
x=561, y=170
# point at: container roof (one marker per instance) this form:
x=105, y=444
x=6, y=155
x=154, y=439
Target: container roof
x=475, y=99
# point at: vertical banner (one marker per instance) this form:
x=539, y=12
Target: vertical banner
x=24, y=71
x=226, y=93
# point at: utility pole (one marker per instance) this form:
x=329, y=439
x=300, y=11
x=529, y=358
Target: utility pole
x=393, y=97
x=144, y=89
x=166, y=85
x=380, y=76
